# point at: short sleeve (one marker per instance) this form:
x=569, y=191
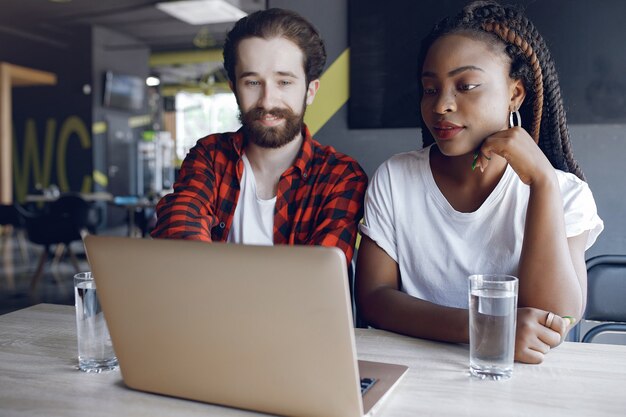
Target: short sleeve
x=579, y=206
x=378, y=221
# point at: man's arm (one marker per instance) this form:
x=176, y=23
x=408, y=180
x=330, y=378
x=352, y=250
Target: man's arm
x=341, y=212
x=189, y=212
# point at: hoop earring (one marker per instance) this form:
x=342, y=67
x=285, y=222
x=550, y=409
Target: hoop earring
x=515, y=119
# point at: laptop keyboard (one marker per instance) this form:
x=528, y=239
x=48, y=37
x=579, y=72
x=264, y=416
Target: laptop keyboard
x=366, y=384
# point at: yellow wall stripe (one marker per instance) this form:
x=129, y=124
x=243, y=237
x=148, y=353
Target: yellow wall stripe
x=133, y=122
x=190, y=57
x=333, y=93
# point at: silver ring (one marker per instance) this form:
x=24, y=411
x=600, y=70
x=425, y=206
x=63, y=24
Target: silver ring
x=549, y=319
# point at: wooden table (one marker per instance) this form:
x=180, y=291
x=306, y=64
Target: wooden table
x=38, y=377
x=135, y=205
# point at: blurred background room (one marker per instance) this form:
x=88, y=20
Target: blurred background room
x=101, y=100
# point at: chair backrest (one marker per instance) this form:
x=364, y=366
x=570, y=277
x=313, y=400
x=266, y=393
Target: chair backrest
x=71, y=207
x=606, y=288
x=606, y=295
x=9, y=216
x=60, y=222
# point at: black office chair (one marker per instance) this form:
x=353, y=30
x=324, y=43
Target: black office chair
x=64, y=221
x=606, y=296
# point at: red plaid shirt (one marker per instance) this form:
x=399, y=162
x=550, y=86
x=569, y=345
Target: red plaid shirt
x=319, y=199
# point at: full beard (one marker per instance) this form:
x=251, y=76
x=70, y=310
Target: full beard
x=271, y=137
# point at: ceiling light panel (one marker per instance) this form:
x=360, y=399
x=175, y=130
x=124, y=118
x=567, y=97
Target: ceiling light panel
x=202, y=12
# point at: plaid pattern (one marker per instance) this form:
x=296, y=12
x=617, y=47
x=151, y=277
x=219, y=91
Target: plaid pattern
x=319, y=199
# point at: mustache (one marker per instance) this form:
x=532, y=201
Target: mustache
x=257, y=114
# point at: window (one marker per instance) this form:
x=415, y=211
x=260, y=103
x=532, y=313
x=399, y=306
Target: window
x=199, y=115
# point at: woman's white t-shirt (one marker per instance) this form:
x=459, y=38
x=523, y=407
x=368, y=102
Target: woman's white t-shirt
x=437, y=247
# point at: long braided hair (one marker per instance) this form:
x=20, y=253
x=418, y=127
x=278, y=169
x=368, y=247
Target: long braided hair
x=542, y=111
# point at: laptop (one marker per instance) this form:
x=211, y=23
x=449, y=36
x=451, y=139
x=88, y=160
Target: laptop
x=263, y=328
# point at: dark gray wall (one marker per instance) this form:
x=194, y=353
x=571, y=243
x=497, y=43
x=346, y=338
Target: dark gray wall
x=107, y=56
x=115, y=150
x=600, y=149
x=383, y=36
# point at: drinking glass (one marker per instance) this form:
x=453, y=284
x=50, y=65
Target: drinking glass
x=95, y=350
x=492, y=321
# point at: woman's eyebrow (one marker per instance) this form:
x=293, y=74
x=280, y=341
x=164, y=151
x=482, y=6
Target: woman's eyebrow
x=429, y=74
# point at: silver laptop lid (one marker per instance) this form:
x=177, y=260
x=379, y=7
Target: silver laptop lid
x=255, y=327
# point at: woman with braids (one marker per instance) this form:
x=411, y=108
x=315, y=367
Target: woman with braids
x=494, y=190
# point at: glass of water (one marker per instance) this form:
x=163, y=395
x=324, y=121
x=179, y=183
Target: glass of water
x=492, y=321
x=95, y=350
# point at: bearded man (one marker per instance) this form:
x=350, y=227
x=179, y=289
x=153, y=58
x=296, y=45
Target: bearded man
x=270, y=182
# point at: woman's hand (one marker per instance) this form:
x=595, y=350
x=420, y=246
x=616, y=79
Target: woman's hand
x=520, y=151
x=533, y=338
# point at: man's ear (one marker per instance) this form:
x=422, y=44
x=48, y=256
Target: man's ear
x=518, y=94
x=311, y=91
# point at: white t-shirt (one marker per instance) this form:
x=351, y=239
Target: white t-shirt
x=437, y=247
x=253, y=221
